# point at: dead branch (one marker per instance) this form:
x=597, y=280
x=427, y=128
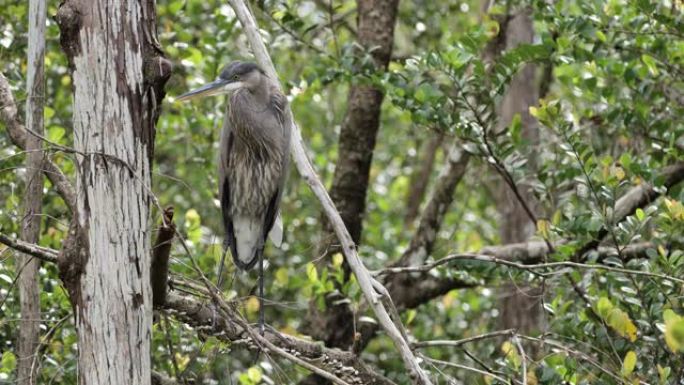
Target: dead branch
x=42, y=253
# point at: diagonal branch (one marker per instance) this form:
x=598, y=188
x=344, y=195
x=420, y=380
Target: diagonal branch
x=19, y=136
x=365, y=280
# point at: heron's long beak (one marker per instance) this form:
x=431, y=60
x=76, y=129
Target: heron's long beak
x=217, y=87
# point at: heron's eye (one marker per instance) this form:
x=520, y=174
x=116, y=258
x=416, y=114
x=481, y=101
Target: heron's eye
x=236, y=77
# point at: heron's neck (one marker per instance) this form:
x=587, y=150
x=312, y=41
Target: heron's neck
x=260, y=93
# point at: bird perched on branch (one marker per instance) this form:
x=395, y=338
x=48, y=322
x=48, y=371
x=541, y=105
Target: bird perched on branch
x=253, y=162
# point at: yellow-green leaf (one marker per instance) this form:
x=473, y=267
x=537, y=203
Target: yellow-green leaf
x=640, y=214
x=629, y=363
x=650, y=63
x=311, y=272
x=622, y=324
x=337, y=259
x=48, y=113
x=55, y=133
x=282, y=276
x=674, y=331
x=663, y=374
x=254, y=374
x=604, y=307
x=543, y=226
x=411, y=314
x=511, y=353
x=252, y=304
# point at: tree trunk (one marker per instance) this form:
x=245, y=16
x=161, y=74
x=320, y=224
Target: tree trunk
x=359, y=130
x=118, y=75
x=520, y=307
x=29, y=289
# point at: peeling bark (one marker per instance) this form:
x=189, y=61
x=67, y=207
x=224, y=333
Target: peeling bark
x=29, y=289
x=106, y=260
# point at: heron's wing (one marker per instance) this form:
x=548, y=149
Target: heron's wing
x=274, y=226
x=224, y=189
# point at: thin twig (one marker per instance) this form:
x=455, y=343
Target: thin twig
x=517, y=265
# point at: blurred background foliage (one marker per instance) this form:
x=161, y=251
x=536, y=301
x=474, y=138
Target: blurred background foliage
x=611, y=118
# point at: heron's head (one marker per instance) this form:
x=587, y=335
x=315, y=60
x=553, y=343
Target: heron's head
x=234, y=76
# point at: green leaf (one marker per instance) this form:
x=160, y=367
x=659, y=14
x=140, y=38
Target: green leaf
x=515, y=128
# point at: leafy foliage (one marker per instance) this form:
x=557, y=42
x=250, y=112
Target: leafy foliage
x=611, y=120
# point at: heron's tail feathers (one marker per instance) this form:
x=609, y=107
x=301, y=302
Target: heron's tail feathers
x=276, y=233
x=249, y=241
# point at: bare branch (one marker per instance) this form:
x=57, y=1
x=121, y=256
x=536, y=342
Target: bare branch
x=305, y=168
x=43, y=253
x=19, y=136
x=529, y=267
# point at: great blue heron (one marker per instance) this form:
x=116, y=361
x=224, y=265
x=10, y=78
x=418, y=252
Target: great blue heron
x=252, y=165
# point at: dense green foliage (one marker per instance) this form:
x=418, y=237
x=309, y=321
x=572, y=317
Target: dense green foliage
x=612, y=119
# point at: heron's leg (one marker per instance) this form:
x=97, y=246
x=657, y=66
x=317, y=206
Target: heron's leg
x=261, y=293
